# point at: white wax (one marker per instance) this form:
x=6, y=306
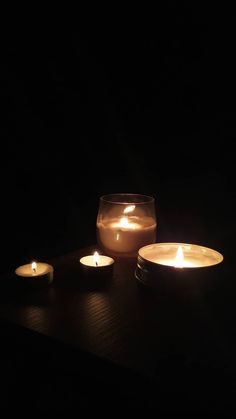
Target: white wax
x=172, y=262
x=101, y=261
x=27, y=271
x=125, y=235
x=194, y=256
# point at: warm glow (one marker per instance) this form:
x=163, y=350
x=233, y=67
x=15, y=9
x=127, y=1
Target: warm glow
x=179, y=259
x=34, y=267
x=129, y=209
x=124, y=222
x=96, y=258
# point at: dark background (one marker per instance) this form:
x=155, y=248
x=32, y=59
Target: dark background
x=143, y=108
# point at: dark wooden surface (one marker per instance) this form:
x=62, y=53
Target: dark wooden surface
x=79, y=340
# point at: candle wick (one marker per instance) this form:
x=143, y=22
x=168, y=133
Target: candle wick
x=96, y=263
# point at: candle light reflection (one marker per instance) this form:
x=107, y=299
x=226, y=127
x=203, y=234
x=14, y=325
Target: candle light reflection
x=129, y=209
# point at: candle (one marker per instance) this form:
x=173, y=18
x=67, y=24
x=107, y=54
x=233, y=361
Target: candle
x=35, y=273
x=169, y=259
x=126, y=235
x=97, y=264
x=181, y=255
x=125, y=223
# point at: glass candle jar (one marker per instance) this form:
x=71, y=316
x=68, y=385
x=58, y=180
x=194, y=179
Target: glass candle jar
x=125, y=223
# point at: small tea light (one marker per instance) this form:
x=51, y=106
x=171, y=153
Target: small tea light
x=97, y=264
x=174, y=260
x=35, y=273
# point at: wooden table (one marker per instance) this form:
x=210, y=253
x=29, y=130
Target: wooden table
x=80, y=342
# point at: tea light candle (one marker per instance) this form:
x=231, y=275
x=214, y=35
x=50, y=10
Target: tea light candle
x=35, y=273
x=97, y=264
x=162, y=259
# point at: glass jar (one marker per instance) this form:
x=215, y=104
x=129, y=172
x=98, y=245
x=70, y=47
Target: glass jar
x=125, y=223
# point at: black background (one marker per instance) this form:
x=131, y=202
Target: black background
x=142, y=107
x=145, y=105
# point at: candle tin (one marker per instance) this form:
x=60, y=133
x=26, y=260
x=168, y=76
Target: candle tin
x=154, y=268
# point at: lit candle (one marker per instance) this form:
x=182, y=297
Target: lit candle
x=179, y=261
x=125, y=223
x=35, y=273
x=97, y=264
x=166, y=258
x=125, y=235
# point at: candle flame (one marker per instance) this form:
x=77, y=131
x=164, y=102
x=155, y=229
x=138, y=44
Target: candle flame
x=96, y=258
x=179, y=259
x=34, y=267
x=128, y=209
x=124, y=222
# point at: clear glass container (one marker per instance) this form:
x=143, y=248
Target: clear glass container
x=125, y=223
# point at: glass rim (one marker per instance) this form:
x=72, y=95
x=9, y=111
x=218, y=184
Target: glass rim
x=147, y=199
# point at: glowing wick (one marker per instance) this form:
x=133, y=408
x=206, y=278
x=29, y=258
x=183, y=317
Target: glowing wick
x=34, y=267
x=124, y=222
x=96, y=258
x=179, y=259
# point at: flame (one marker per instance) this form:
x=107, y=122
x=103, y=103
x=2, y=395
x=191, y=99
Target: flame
x=96, y=258
x=124, y=222
x=128, y=209
x=179, y=259
x=34, y=267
